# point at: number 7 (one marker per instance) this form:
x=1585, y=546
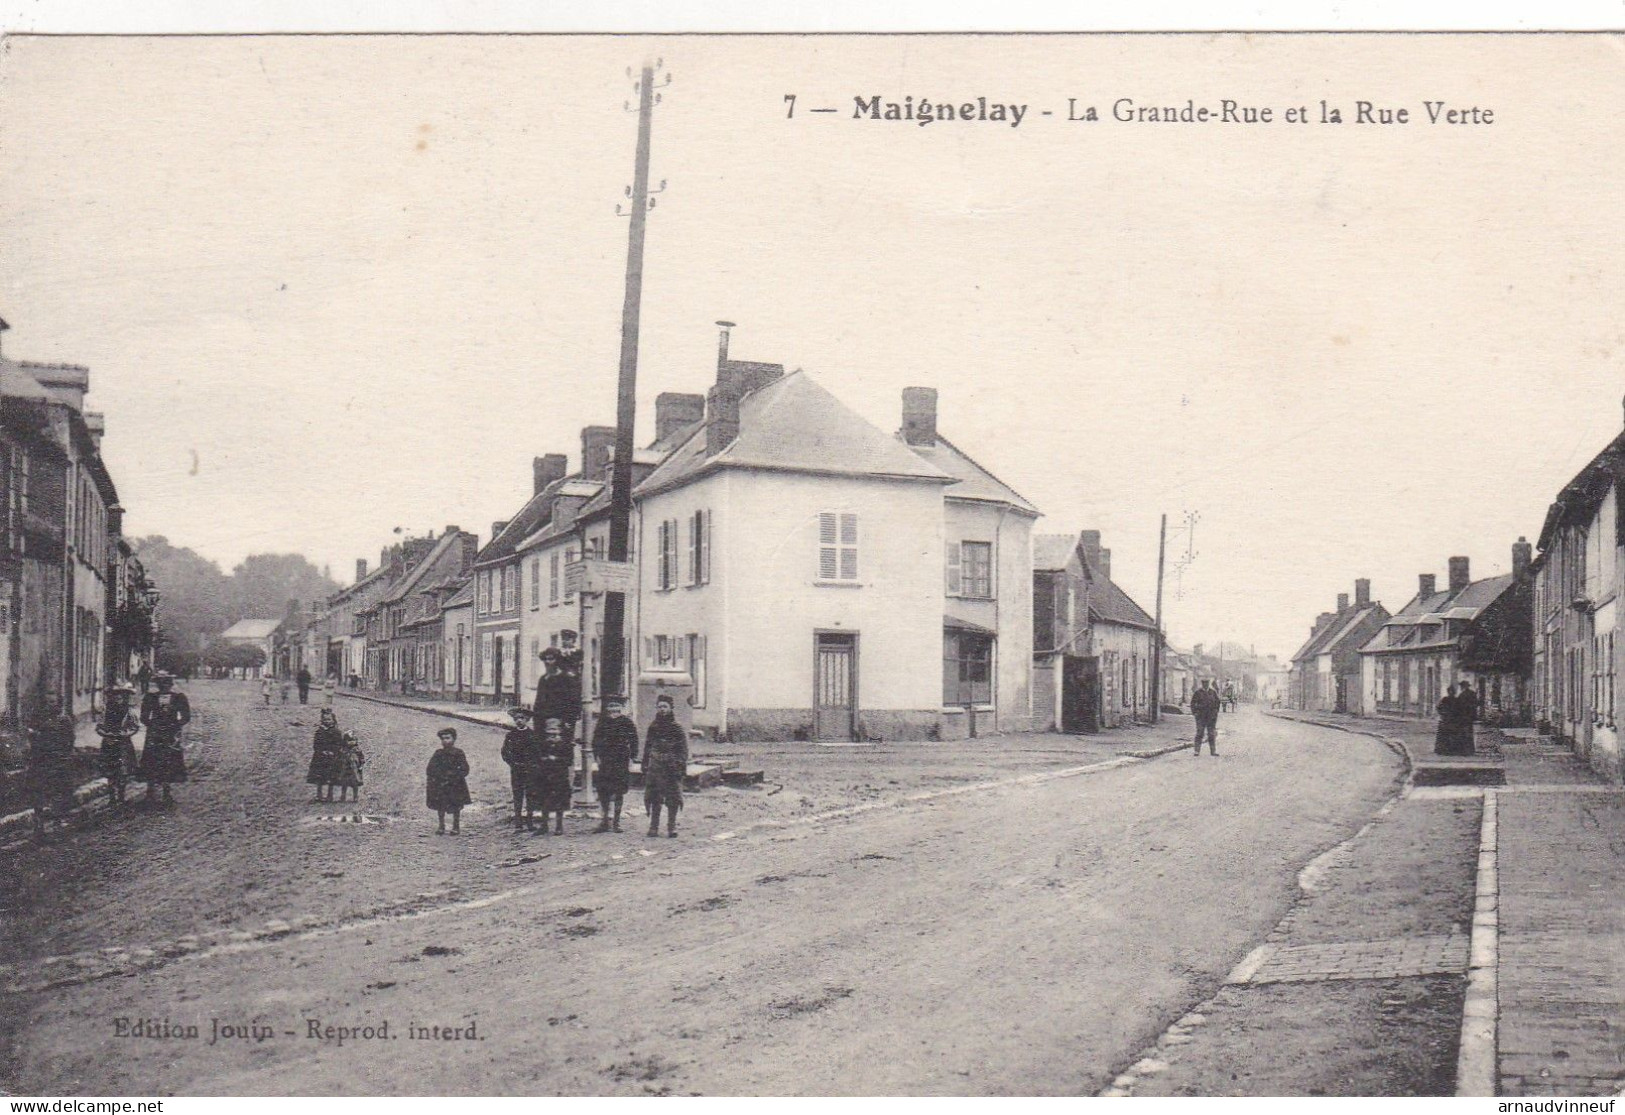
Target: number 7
x=790, y=99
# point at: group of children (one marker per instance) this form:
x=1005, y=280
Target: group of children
x=541, y=769
x=336, y=761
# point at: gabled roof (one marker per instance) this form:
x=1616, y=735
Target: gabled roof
x=1053, y=551
x=251, y=629
x=1464, y=604
x=464, y=595
x=1581, y=496
x=794, y=425
x=1340, y=630
x=588, y=491
x=530, y=518
x=973, y=481
x=1110, y=604
x=414, y=579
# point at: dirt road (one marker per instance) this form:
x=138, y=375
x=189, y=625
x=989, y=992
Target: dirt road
x=1020, y=939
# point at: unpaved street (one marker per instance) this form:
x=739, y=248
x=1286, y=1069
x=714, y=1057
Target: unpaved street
x=1025, y=938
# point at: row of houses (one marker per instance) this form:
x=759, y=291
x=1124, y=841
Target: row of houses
x=795, y=572
x=76, y=608
x=1539, y=644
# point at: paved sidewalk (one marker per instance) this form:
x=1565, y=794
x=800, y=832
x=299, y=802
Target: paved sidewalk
x=1560, y=940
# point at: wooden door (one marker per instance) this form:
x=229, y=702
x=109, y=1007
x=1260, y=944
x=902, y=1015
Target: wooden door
x=835, y=662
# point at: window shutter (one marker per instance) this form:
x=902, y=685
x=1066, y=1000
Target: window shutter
x=660, y=565
x=849, y=547
x=849, y=564
x=705, y=547
x=849, y=530
x=953, y=568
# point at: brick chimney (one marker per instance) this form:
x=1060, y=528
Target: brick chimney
x=721, y=414
x=1459, y=578
x=1089, y=543
x=1342, y=602
x=496, y=527
x=1522, y=554
x=674, y=410
x=1362, y=592
x=1321, y=621
x=597, y=445
x=1425, y=585
x=543, y=471
x=1106, y=564
x=920, y=415
x=360, y=569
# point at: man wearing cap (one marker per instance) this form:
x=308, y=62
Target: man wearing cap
x=614, y=742
x=665, y=765
x=521, y=750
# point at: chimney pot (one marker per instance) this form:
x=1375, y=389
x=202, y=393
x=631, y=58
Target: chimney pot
x=920, y=415
x=722, y=343
x=1522, y=555
x=1425, y=585
x=1362, y=592
x=1459, y=578
x=675, y=410
x=360, y=569
x=597, y=443
x=1342, y=602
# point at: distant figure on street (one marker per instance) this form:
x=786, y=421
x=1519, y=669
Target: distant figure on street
x=614, y=742
x=166, y=714
x=329, y=687
x=118, y=730
x=143, y=677
x=1229, y=698
x=1466, y=717
x=665, y=764
x=1444, y=736
x=303, y=680
x=1205, y=707
x=553, y=787
x=350, y=762
x=558, y=695
x=521, y=750
x=326, y=756
x=265, y=689
x=448, y=781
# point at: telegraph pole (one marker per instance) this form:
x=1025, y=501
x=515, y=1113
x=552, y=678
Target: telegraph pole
x=1156, y=650
x=613, y=645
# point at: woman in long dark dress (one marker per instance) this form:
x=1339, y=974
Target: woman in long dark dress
x=163, y=758
x=1444, y=738
x=448, y=781
x=665, y=764
x=326, y=756
x=118, y=730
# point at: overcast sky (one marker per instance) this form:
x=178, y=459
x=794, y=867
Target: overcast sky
x=331, y=287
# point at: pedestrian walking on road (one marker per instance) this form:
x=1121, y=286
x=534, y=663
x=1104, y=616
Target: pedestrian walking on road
x=143, y=677
x=521, y=750
x=265, y=690
x=326, y=756
x=351, y=760
x=118, y=730
x=1466, y=717
x=303, y=679
x=665, y=765
x=329, y=687
x=1205, y=707
x=614, y=742
x=166, y=713
x=556, y=755
x=448, y=781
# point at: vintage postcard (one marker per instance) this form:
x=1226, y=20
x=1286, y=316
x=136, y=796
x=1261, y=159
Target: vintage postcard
x=811, y=565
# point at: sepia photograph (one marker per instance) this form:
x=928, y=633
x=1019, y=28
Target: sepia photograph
x=812, y=565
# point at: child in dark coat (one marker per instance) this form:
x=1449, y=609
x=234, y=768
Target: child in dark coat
x=448, y=781
x=614, y=743
x=351, y=760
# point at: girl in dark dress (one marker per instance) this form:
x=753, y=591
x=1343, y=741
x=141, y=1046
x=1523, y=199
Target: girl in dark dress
x=326, y=756
x=553, y=781
x=163, y=758
x=614, y=742
x=118, y=731
x=350, y=762
x=448, y=781
x=665, y=763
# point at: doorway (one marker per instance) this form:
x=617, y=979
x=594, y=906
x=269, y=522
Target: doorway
x=835, y=686
x=1080, y=694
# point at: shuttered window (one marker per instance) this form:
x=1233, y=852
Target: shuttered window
x=699, y=548
x=569, y=560
x=837, y=546
x=553, y=577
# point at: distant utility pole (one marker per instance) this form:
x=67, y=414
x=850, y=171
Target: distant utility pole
x=1156, y=650
x=612, y=660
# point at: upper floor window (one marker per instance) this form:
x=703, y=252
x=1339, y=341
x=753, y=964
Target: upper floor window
x=569, y=560
x=553, y=577
x=970, y=569
x=666, y=563
x=699, y=548
x=837, y=546
x=536, y=582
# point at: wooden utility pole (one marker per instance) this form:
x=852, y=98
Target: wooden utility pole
x=1156, y=650
x=612, y=658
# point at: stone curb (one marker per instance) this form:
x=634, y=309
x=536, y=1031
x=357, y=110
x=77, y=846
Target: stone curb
x=82, y=798
x=1476, y=1070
